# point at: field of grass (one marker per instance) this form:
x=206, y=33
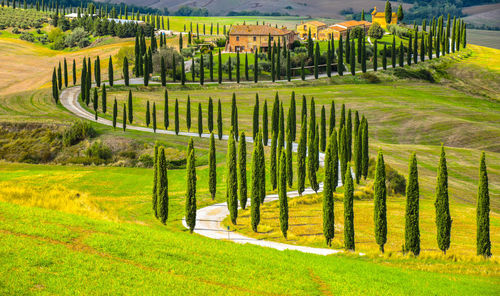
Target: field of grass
x=46, y=249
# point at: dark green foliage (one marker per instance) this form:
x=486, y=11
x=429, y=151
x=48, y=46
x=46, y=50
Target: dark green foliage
x=273, y=169
x=323, y=129
x=483, y=212
x=176, y=117
x=104, y=99
x=191, y=188
x=412, y=231
x=365, y=156
x=163, y=72
x=155, y=181
x=59, y=77
x=329, y=185
x=255, y=122
x=348, y=134
x=256, y=69
x=153, y=113
x=275, y=115
x=202, y=71
x=443, y=218
x=316, y=61
x=237, y=67
x=125, y=71
x=130, y=108
x=219, y=120
x=265, y=131
x=312, y=158
x=146, y=71
x=281, y=133
x=212, y=168
x=283, y=199
x=247, y=76
x=234, y=117
x=124, y=123
x=293, y=116
x=210, y=115
x=229, y=69
x=162, y=186
x=95, y=101
x=166, y=121
x=55, y=89
x=393, y=52
x=200, y=120
x=211, y=65
x=74, y=72
x=401, y=54
x=352, y=62
x=358, y=153
x=363, y=55
x=348, y=211
x=340, y=63
x=288, y=67
x=188, y=113
x=328, y=61
x=65, y=66
x=110, y=71
x=388, y=12
x=183, y=72
x=289, y=143
x=242, y=171
x=342, y=151
x=273, y=64
x=332, y=118
x=379, y=200
x=342, y=117
x=232, y=179
x=384, y=57
x=148, y=114
x=302, y=70
x=400, y=13
x=256, y=183
x=115, y=113
x=375, y=56
x=415, y=47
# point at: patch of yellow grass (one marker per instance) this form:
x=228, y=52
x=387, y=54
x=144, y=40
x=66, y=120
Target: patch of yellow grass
x=485, y=57
x=55, y=197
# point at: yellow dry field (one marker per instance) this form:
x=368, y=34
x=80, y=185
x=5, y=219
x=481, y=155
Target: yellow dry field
x=484, y=57
x=25, y=66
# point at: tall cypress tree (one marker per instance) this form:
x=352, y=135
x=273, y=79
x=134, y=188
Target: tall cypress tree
x=328, y=61
x=153, y=113
x=311, y=160
x=74, y=72
x=273, y=169
x=65, y=65
x=323, y=129
x=125, y=71
x=393, y=52
x=352, y=63
x=247, y=75
x=115, y=113
x=255, y=122
x=412, y=231
x=443, y=218
x=95, y=102
x=340, y=63
x=188, y=113
x=55, y=89
x=97, y=72
x=130, y=107
x=162, y=187
x=110, y=71
x=242, y=170
x=379, y=200
x=256, y=182
x=375, y=56
x=59, y=77
x=212, y=165
x=348, y=211
x=265, y=132
x=275, y=115
x=365, y=156
x=166, y=121
x=358, y=153
x=234, y=116
x=183, y=72
x=342, y=151
x=202, y=70
x=237, y=67
x=289, y=143
x=256, y=68
x=293, y=116
x=104, y=99
x=200, y=120
x=328, y=189
x=191, y=188
x=301, y=156
x=332, y=118
x=124, y=123
x=148, y=114
x=210, y=115
x=163, y=72
x=155, y=181
x=316, y=61
x=348, y=134
x=283, y=199
x=384, y=58
x=176, y=117
x=232, y=179
x=211, y=65
x=219, y=120
x=388, y=12
x=409, y=52
x=483, y=241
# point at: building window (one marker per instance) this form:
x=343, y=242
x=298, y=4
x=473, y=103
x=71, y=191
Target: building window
x=237, y=38
x=254, y=38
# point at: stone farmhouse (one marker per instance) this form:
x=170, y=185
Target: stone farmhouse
x=253, y=38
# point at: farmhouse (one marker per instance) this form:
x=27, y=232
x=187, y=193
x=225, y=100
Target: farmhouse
x=379, y=17
x=250, y=38
x=314, y=26
x=342, y=29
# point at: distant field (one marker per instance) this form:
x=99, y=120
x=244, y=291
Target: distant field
x=484, y=38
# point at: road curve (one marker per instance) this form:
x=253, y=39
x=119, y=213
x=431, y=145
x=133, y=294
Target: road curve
x=208, y=219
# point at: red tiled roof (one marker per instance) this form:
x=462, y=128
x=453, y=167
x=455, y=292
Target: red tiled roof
x=257, y=30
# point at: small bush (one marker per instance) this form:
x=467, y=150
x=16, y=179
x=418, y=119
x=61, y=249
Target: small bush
x=99, y=150
x=146, y=160
x=78, y=132
x=370, y=77
x=27, y=37
x=422, y=74
x=220, y=42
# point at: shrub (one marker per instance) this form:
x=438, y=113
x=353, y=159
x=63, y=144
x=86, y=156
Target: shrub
x=78, y=37
x=99, y=150
x=187, y=52
x=79, y=131
x=422, y=74
x=395, y=182
x=146, y=160
x=27, y=37
x=376, y=31
x=220, y=42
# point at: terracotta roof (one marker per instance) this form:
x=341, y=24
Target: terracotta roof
x=314, y=23
x=257, y=30
x=349, y=24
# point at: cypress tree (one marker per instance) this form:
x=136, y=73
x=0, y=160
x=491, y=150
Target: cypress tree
x=332, y=118
x=146, y=71
x=154, y=117
x=348, y=211
x=55, y=89
x=316, y=62
x=219, y=76
x=281, y=133
x=302, y=70
x=188, y=113
x=88, y=87
x=384, y=58
x=348, y=134
x=242, y=170
x=166, y=121
x=176, y=122
x=301, y=156
x=401, y=54
x=183, y=72
x=191, y=188
x=380, y=208
x=211, y=66
x=342, y=117
x=363, y=55
x=388, y=12
x=74, y=72
x=162, y=187
x=234, y=117
x=340, y=63
x=409, y=52
x=275, y=115
x=255, y=123
x=348, y=48
x=59, y=77
x=229, y=69
x=265, y=132
x=312, y=158
x=219, y=120
x=174, y=69
x=415, y=47
x=483, y=212
x=256, y=183
x=97, y=72
x=328, y=189
x=256, y=68
x=124, y=124
x=115, y=113
x=328, y=62
x=95, y=102
x=110, y=71
x=375, y=56
x=232, y=179
x=274, y=140
x=148, y=118
x=273, y=64
x=283, y=199
x=288, y=67
x=125, y=71
x=104, y=99
x=247, y=76
x=443, y=218
x=393, y=52
x=180, y=42
x=200, y=120
x=83, y=82
x=212, y=165
x=358, y=152
x=312, y=119
x=293, y=116
x=237, y=67
x=193, y=70
x=342, y=151
x=65, y=73
x=352, y=63
x=210, y=115
x=323, y=129
x=155, y=181
x=335, y=160
x=422, y=47
x=289, y=155
x=202, y=71
x=163, y=72
x=364, y=156
x=412, y=232
x=130, y=108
